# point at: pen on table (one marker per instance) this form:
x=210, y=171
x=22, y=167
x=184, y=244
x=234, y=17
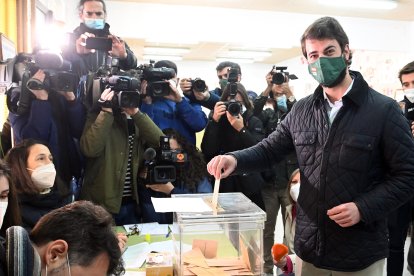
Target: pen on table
x=169, y=232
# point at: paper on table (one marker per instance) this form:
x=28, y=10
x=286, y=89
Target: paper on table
x=135, y=255
x=180, y=204
x=153, y=228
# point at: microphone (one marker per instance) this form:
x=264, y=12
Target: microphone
x=279, y=250
x=149, y=154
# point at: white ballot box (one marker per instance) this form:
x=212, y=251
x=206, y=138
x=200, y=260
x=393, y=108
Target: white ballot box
x=223, y=241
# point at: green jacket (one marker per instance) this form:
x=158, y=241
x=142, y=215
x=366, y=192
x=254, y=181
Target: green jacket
x=104, y=143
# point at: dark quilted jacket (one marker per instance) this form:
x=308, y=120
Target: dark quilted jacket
x=366, y=156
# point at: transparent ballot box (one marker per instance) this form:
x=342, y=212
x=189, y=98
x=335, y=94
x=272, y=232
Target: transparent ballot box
x=224, y=241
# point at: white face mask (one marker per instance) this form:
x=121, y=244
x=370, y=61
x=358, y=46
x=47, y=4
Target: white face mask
x=44, y=176
x=409, y=94
x=243, y=109
x=3, y=208
x=294, y=191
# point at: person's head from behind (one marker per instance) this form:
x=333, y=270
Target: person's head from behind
x=32, y=166
x=9, y=208
x=77, y=239
x=294, y=186
x=223, y=69
x=240, y=97
x=195, y=168
x=325, y=45
x=92, y=13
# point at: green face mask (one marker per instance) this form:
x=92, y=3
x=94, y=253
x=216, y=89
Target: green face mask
x=326, y=70
x=223, y=83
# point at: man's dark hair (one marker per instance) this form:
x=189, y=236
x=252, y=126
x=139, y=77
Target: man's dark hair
x=225, y=64
x=166, y=63
x=82, y=3
x=407, y=69
x=12, y=216
x=87, y=229
x=326, y=28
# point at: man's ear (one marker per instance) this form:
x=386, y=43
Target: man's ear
x=347, y=52
x=56, y=252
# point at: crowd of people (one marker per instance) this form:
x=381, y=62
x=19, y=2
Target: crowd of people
x=86, y=156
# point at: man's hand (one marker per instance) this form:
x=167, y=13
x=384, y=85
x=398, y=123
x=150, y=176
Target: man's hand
x=131, y=111
x=280, y=89
x=118, y=47
x=42, y=93
x=106, y=96
x=345, y=215
x=174, y=95
x=412, y=128
x=81, y=44
x=222, y=166
x=185, y=85
x=145, y=98
x=163, y=188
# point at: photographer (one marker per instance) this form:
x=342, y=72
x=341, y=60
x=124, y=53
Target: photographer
x=173, y=110
x=113, y=142
x=191, y=178
x=93, y=16
x=233, y=127
x=54, y=117
x=207, y=98
x=271, y=107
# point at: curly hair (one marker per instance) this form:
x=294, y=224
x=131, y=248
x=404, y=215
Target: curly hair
x=196, y=169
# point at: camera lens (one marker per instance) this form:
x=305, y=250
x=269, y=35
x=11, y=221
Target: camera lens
x=278, y=78
x=199, y=85
x=234, y=108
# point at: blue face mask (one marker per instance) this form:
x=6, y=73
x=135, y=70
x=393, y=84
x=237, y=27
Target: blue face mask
x=96, y=24
x=282, y=103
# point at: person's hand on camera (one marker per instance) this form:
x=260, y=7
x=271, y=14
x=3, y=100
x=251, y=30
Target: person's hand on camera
x=81, y=44
x=131, y=111
x=174, y=94
x=145, y=98
x=106, y=96
x=185, y=85
x=42, y=93
x=163, y=188
x=221, y=166
x=235, y=121
x=282, y=89
x=219, y=110
x=118, y=47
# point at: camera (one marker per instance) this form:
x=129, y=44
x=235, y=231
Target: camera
x=126, y=91
x=157, y=87
x=279, y=76
x=164, y=166
x=233, y=107
x=198, y=85
x=58, y=77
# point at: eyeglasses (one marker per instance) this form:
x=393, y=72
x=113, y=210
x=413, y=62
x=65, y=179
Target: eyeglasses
x=91, y=13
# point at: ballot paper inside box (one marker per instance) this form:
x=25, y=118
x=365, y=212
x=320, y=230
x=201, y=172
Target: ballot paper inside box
x=225, y=241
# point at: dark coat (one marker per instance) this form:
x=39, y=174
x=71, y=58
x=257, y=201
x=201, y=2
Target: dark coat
x=366, y=156
x=220, y=138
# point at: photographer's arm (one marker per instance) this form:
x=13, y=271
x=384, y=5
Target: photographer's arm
x=127, y=59
x=148, y=130
x=192, y=115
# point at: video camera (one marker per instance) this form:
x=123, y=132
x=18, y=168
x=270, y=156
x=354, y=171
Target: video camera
x=59, y=77
x=233, y=106
x=157, y=87
x=126, y=91
x=279, y=76
x=162, y=167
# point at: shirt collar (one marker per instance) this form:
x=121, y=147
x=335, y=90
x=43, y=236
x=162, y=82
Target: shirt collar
x=340, y=100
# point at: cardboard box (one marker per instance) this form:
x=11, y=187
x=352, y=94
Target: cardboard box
x=159, y=264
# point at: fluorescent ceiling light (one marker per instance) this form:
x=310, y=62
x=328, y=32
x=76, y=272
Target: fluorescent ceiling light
x=237, y=60
x=165, y=51
x=165, y=39
x=361, y=4
x=162, y=57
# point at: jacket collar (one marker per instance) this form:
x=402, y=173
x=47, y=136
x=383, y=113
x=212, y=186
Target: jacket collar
x=357, y=94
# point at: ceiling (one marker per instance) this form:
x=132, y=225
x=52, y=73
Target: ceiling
x=208, y=51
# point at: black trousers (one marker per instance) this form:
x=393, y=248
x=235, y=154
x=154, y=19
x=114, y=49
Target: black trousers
x=398, y=223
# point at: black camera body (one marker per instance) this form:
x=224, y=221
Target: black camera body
x=233, y=107
x=165, y=165
x=157, y=86
x=279, y=76
x=126, y=91
x=198, y=85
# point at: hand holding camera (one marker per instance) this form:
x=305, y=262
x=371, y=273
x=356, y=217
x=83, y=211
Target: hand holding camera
x=197, y=87
x=174, y=94
x=219, y=110
x=81, y=44
x=118, y=47
x=106, y=100
x=235, y=121
x=35, y=85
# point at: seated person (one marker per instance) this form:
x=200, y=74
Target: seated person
x=77, y=239
x=34, y=176
x=192, y=177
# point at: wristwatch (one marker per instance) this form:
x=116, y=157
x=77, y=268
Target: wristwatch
x=291, y=99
